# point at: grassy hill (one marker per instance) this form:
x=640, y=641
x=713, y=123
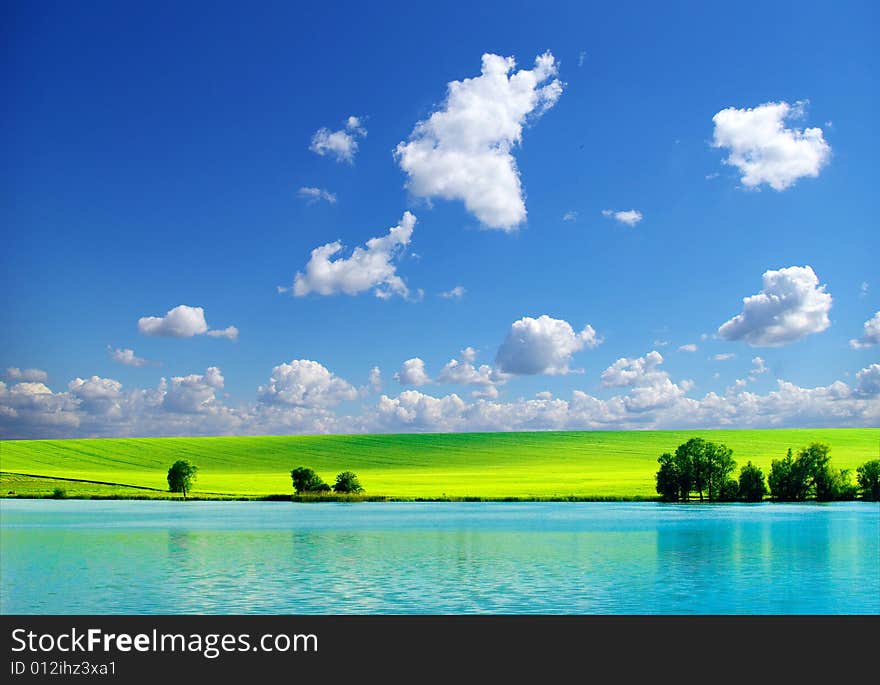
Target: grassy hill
x=489, y=465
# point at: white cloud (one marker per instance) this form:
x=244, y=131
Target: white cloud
x=182, y=322
x=463, y=151
x=412, y=372
x=723, y=356
x=126, y=356
x=542, y=345
x=863, y=290
x=629, y=217
x=871, y=336
x=581, y=57
x=791, y=306
x=230, y=333
x=194, y=393
x=869, y=381
x=455, y=293
x=570, y=215
x=759, y=366
x=464, y=372
x=367, y=268
x=13, y=373
x=375, y=382
x=661, y=343
x=764, y=150
x=312, y=195
x=305, y=383
x=690, y=347
x=341, y=144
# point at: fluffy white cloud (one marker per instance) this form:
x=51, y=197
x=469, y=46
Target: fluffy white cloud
x=312, y=195
x=629, y=217
x=542, y=345
x=13, y=373
x=759, y=366
x=651, y=388
x=305, y=383
x=723, y=356
x=230, y=333
x=455, y=294
x=367, y=268
x=871, y=336
x=194, y=393
x=412, y=372
x=126, y=356
x=764, y=150
x=463, y=371
x=869, y=381
x=690, y=347
x=463, y=151
x=375, y=381
x=413, y=410
x=341, y=144
x=791, y=305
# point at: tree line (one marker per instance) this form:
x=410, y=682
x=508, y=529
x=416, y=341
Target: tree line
x=707, y=469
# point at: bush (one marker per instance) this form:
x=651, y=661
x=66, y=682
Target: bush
x=181, y=476
x=347, y=483
x=306, y=480
x=834, y=485
x=868, y=478
x=59, y=493
x=751, y=484
x=728, y=491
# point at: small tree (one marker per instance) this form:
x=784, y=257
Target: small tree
x=868, y=478
x=306, y=480
x=751, y=483
x=721, y=466
x=181, y=476
x=347, y=483
x=834, y=484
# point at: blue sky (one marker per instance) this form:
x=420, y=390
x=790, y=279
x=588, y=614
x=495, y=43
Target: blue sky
x=156, y=157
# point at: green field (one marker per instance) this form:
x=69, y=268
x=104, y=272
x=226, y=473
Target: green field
x=486, y=465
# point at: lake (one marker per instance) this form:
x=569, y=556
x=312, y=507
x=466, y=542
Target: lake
x=153, y=557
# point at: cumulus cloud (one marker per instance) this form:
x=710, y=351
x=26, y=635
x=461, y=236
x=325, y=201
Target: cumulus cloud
x=764, y=150
x=871, y=336
x=869, y=381
x=375, y=381
x=341, y=144
x=230, y=333
x=542, y=345
x=371, y=268
x=412, y=372
x=455, y=293
x=193, y=393
x=312, y=195
x=182, y=322
x=690, y=347
x=126, y=356
x=305, y=383
x=463, y=371
x=13, y=373
x=759, y=366
x=463, y=151
x=629, y=217
x=650, y=386
x=791, y=306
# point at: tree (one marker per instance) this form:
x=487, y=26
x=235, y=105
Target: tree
x=751, y=483
x=691, y=460
x=868, y=478
x=794, y=479
x=306, y=480
x=347, y=483
x=181, y=476
x=720, y=467
x=834, y=484
x=668, y=478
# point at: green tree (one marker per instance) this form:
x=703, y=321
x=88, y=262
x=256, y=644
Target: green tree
x=347, y=483
x=751, y=483
x=868, y=478
x=689, y=472
x=181, y=476
x=720, y=468
x=668, y=478
x=306, y=480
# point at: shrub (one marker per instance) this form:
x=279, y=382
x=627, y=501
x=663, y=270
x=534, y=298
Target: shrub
x=868, y=478
x=306, y=480
x=347, y=483
x=59, y=493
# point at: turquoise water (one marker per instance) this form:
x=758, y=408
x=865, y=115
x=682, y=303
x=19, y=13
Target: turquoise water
x=115, y=557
